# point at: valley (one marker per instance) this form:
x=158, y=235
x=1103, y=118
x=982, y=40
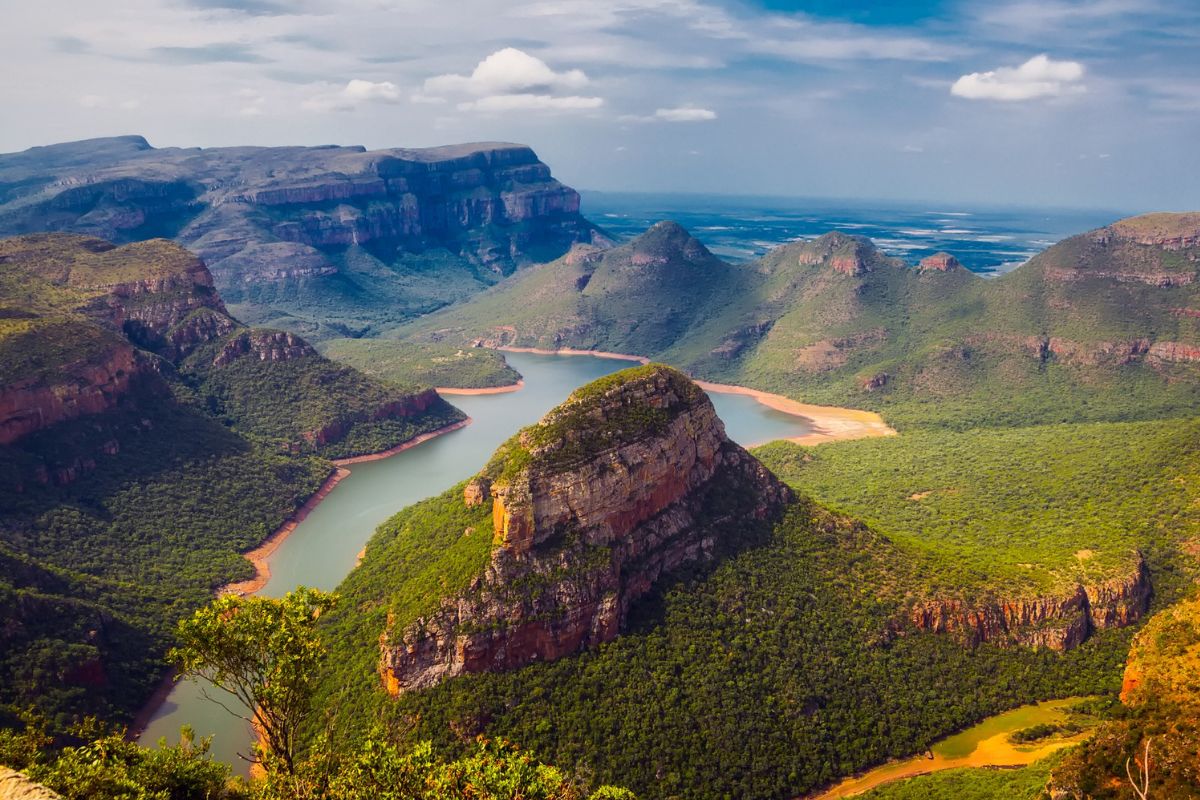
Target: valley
x=983, y=485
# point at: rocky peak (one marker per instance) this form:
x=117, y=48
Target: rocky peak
x=664, y=243
x=849, y=255
x=940, y=262
x=1170, y=231
x=630, y=478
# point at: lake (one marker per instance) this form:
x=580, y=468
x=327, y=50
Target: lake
x=324, y=547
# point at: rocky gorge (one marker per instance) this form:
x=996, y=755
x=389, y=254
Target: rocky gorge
x=289, y=228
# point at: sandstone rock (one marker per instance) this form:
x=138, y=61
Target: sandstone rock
x=939, y=262
x=615, y=488
x=1058, y=622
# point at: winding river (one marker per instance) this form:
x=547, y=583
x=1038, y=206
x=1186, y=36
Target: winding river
x=324, y=546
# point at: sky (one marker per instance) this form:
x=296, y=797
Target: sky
x=1027, y=102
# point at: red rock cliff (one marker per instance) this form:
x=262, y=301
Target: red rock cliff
x=1058, y=621
x=628, y=480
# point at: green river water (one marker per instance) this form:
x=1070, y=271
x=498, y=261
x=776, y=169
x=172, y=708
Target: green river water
x=323, y=548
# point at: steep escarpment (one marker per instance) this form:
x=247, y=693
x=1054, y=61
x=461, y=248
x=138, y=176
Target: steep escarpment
x=1058, y=621
x=629, y=480
x=1161, y=700
x=314, y=236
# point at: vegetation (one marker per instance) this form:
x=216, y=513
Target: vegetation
x=1026, y=783
x=100, y=570
x=294, y=402
x=410, y=364
x=1161, y=701
x=787, y=647
x=1017, y=509
x=262, y=653
x=108, y=532
x=833, y=321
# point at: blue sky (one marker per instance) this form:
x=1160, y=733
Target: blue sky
x=1041, y=102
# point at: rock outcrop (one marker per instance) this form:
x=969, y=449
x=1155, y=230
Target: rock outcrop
x=261, y=215
x=16, y=786
x=629, y=479
x=940, y=262
x=1058, y=621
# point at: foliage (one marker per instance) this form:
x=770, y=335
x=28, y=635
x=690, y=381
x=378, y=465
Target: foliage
x=263, y=652
x=94, y=575
x=408, y=363
x=309, y=403
x=1161, y=699
x=100, y=764
x=786, y=648
x=1020, y=509
x=1026, y=783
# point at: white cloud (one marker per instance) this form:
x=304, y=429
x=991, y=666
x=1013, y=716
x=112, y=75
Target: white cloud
x=511, y=80
x=685, y=114
x=93, y=101
x=677, y=114
x=498, y=103
x=355, y=93
x=365, y=91
x=508, y=72
x=1040, y=76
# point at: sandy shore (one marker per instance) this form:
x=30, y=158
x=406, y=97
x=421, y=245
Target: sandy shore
x=411, y=443
x=570, y=352
x=259, y=555
x=829, y=423
x=512, y=387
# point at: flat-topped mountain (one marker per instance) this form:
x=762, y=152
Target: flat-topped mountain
x=1104, y=325
x=325, y=233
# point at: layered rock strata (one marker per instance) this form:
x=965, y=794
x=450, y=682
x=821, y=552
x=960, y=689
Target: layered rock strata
x=1059, y=621
x=628, y=480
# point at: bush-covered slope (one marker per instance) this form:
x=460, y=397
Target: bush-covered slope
x=423, y=364
x=146, y=440
x=1102, y=326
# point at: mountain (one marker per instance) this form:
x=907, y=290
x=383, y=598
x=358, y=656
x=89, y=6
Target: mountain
x=1104, y=325
x=131, y=406
x=627, y=590
x=315, y=239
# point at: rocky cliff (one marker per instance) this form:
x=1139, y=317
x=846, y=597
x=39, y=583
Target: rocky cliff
x=628, y=480
x=278, y=225
x=1057, y=621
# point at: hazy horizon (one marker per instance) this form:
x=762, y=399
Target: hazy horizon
x=1044, y=104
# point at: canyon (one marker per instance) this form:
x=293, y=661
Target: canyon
x=283, y=227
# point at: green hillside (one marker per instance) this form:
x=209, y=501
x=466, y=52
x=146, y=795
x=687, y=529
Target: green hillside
x=131, y=407
x=1103, y=326
x=423, y=364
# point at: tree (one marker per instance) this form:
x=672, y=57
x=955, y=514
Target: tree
x=263, y=653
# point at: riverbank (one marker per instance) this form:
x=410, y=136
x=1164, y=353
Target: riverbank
x=260, y=555
x=986, y=745
x=829, y=423
x=512, y=387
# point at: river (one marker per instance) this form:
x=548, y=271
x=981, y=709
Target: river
x=324, y=547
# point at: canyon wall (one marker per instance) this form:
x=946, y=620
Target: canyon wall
x=1058, y=621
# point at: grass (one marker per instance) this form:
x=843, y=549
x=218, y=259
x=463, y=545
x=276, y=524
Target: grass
x=1017, y=510
x=953, y=350
x=423, y=364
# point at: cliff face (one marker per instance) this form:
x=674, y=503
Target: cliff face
x=277, y=223
x=1059, y=622
x=628, y=480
